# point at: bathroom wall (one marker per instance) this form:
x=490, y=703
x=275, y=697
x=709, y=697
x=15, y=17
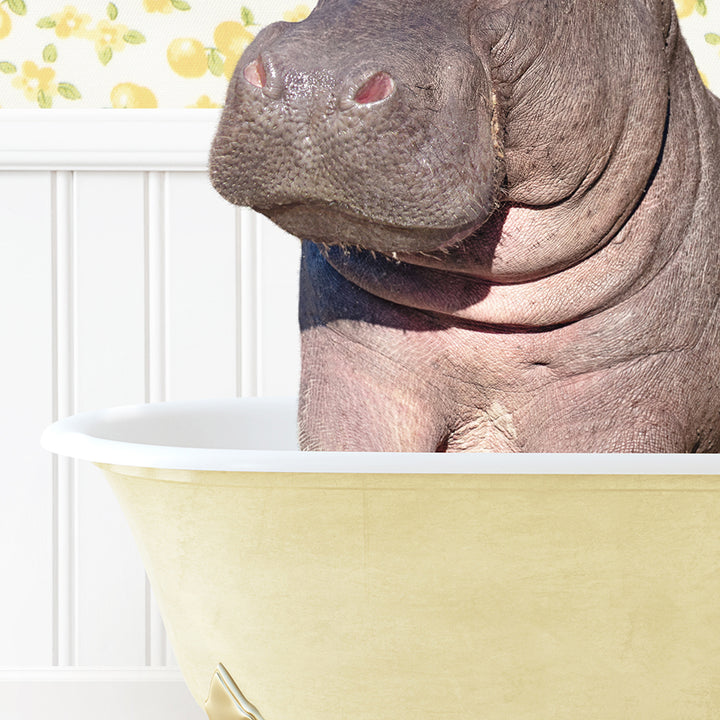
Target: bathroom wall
x=125, y=279
x=128, y=53
x=104, y=301
x=178, y=53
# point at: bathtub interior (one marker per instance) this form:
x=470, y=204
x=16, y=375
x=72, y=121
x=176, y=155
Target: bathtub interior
x=268, y=424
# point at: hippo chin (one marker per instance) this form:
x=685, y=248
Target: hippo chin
x=511, y=238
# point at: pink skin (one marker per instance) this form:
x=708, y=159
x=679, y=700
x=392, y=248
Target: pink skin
x=254, y=73
x=374, y=89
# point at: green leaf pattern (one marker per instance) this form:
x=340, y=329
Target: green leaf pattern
x=247, y=16
x=133, y=37
x=69, y=91
x=105, y=55
x=50, y=53
x=17, y=6
x=215, y=62
x=44, y=99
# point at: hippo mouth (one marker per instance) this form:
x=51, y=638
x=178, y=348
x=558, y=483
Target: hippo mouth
x=334, y=224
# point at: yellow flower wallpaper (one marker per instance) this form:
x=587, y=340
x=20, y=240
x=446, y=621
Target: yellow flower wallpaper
x=128, y=53
x=180, y=53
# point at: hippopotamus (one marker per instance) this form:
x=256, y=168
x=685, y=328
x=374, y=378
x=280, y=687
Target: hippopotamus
x=509, y=219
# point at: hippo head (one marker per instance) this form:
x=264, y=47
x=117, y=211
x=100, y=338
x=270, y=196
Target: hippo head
x=369, y=124
x=401, y=127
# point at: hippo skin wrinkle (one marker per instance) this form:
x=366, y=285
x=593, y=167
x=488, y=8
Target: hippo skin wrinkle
x=509, y=216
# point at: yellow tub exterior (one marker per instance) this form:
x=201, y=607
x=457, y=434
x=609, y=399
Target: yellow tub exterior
x=337, y=596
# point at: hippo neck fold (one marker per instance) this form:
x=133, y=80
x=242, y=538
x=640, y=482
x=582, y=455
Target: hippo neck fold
x=456, y=283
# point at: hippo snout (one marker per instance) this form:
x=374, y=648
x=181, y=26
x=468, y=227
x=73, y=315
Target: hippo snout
x=358, y=138
x=369, y=91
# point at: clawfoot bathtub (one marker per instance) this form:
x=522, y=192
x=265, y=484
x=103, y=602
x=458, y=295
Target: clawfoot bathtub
x=325, y=586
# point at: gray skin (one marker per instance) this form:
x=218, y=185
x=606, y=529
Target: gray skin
x=510, y=219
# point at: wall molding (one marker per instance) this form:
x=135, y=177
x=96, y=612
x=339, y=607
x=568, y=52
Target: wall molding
x=90, y=674
x=89, y=693
x=106, y=139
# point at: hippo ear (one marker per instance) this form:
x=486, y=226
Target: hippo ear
x=500, y=39
x=582, y=94
x=664, y=11
x=500, y=28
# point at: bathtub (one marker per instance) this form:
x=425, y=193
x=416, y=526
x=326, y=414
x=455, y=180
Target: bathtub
x=369, y=586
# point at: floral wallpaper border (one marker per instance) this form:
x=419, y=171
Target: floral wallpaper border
x=180, y=53
x=127, y=53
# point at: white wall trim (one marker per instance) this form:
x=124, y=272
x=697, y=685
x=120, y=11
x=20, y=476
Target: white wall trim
x=91, y=693
x=106, y=139
x=64, y=470
x=90, y=674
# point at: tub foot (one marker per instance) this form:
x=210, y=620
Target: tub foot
x=225, y=701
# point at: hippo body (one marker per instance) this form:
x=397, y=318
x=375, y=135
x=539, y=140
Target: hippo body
x=510, y=222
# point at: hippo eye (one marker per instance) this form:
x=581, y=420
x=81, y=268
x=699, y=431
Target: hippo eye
x=376, y=88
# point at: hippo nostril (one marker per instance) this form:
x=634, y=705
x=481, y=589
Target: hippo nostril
x=378, y=87
x=254, y=73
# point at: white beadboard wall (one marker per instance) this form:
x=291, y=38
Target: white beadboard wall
x=124, y=278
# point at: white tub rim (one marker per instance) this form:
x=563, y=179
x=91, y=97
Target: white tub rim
x=81, y=437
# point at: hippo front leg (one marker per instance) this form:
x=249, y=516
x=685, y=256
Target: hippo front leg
x=364, y=384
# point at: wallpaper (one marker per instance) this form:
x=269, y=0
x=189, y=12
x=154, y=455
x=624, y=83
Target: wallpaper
x=180, y=53
x=128, y=53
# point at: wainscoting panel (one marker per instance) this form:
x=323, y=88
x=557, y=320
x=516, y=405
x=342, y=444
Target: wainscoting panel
x=200, y=288
x=124, y=278
x=26, y=405
x=278, y=258
x=109, y=289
